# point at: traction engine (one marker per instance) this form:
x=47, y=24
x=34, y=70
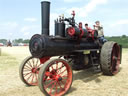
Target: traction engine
x=71, y=48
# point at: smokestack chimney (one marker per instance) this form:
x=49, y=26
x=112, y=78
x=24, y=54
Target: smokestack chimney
x=45, y=15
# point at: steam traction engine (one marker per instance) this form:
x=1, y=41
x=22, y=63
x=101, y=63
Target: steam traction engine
x=74, y=46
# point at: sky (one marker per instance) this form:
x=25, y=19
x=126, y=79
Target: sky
x=22, y=18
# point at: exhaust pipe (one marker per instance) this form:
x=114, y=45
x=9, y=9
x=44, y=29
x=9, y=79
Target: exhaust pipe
x=45, y=15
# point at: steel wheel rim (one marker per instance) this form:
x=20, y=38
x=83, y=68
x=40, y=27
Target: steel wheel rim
x=57, y=78
x=31, y=70
x=115, y=59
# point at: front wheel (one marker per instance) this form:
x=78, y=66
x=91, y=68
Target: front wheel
x=55, y=77
x=29, y=70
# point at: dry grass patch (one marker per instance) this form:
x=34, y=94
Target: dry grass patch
x=7, y=61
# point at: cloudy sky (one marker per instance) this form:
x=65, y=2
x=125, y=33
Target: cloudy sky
x=22, y=18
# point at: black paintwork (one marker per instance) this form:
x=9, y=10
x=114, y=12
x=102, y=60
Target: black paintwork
x=42, y=45
x=60, y=29
x=45, y=14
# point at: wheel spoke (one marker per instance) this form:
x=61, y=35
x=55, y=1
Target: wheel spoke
x=29, y=63
x=53, y=70
x=46, y=86
x=56, y=65
x=63, y=71
x=28, y=77
x=65, y=79
x=26, y=70
x=39, y=65
x=60, y=86
x=28, y=67
x=32, y=78
x=61, y=67
x=62, y=82
x=27, y=74
x=52, y=87
x=66, y=75
x=56, y=89
x=36, y=77
x=52, y=67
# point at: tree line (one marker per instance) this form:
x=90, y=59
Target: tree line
x=15, y=41
x=122, y=40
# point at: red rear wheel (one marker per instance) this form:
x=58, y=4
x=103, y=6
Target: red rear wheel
x=55, y=77
x=110, y=58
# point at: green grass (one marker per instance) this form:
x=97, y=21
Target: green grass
x=122, y=40
x=125, y=50
x=7, y=61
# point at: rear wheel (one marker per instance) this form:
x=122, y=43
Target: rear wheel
x=55, y=77
x=110, y=58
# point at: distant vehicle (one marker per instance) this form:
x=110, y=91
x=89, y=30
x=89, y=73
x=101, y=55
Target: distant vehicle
x=15, y=44
x=21, y=44
x=26, y=44
x=9, y=43
x=1, y=44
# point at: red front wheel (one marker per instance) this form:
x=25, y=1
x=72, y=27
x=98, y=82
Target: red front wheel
x=29, y=69
x=55, y=77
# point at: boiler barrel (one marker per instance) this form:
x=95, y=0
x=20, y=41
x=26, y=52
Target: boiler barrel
x=42, y=46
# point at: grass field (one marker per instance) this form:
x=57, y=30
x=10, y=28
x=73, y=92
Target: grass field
x=85, y=82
